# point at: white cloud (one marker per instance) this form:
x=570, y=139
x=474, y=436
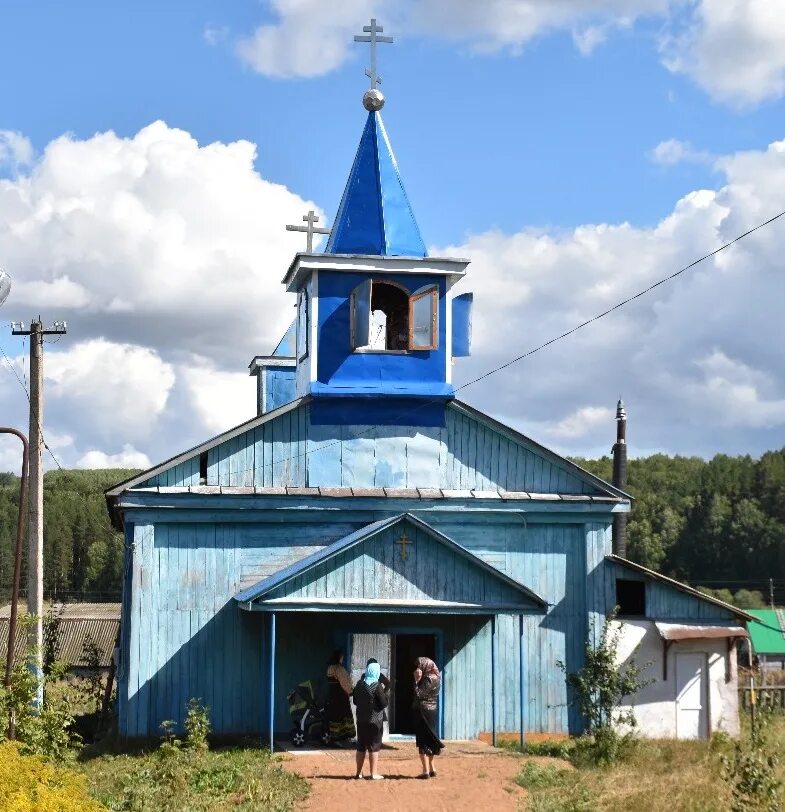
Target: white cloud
x=673, y=151
x=221, y=399
x=579, y=423
x=129, y=457
x=311, y=38
x=16, y=150
x=734, y=49
x=214, y=34
x=121, y=388
x=155, y=249
x=696, y=360
x=177, y=251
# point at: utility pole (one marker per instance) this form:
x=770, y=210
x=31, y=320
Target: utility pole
x=35, y=539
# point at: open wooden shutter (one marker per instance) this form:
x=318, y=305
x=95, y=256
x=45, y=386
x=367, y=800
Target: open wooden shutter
x=424, y=319
x=361, y=314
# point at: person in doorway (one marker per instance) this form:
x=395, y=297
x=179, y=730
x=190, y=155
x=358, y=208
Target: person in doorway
x=382, y=678
x=427, y=682
x=370, y=699
x=338, y=709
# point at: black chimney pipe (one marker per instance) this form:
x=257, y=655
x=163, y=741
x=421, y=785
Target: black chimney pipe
x=620, y=479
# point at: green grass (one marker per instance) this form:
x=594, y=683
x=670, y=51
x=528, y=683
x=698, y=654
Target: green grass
x=657, y=776
x=170, y=778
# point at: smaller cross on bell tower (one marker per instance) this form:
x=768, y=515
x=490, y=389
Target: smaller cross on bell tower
x=311, y=218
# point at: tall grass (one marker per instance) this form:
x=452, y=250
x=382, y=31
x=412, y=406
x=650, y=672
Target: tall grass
x=657, y=776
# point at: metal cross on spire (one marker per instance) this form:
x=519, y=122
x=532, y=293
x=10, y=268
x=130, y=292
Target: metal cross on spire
x=372, y=31
x=309, y=229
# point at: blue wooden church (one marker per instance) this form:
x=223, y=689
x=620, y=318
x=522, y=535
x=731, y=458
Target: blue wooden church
x=366, y=508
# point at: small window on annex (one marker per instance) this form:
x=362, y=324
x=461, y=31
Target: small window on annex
x=631, y=597
x=385, y=318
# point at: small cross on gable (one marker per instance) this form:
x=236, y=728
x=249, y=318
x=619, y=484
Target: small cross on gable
x=311, y=218
x=403, y=542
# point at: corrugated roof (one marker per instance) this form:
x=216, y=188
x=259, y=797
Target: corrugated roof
x=766, y=632
x=77, y=623
x=93, y=611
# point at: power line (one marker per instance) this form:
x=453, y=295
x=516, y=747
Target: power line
x=619, y=304
x=27, y=395
x=534, y=350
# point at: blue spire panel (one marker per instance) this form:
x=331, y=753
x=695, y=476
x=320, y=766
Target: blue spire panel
x=375, y=216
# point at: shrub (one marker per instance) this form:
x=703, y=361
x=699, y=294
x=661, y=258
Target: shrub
x=197, y=725
x=600, y=687
x=31, y=784
x=45, y=731
x=751, y=771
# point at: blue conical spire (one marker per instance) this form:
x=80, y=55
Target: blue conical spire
x=375, y=216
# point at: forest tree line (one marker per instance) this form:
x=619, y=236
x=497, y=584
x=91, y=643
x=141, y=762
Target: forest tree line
x=719, y=522
x=83, y=554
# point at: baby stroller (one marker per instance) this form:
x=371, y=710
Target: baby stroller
x=308, y=719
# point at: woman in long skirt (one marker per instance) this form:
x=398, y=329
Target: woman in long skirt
x=427, y=682
x=339, y=689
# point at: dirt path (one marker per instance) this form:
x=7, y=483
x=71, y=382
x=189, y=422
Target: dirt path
x=471, y=777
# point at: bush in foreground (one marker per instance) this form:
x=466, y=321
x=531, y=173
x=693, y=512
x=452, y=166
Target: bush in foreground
x=30, y=784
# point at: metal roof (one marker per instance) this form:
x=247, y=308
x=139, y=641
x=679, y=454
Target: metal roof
x=77, y=622
x=267, y=585
x=378, y=493
x=766, y=631
x=375, y=216
x=672, y=582
x=693, y=631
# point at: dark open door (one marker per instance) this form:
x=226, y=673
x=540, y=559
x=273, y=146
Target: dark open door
x=408, y=647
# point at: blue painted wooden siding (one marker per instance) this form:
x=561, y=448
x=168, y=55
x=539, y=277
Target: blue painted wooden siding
x=374, y=568
x=664, y=602
x=464, y=454
x=279, y=387
x=187, y=637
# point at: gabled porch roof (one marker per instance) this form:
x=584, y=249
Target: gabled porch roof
x=372, y=569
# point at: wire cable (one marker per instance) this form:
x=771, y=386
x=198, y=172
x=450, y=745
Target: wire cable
x=619, y=304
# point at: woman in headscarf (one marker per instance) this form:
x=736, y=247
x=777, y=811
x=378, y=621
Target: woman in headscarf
x=427, y=682
x=370, y=699
x=339, y=689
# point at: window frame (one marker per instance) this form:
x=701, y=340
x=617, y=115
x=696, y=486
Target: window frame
x=302, y=326
x=432, y=291
x=621, y=612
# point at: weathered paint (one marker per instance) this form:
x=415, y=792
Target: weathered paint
x=654, y=705
x=375, y=569
x=466, y=453
x=191, y=571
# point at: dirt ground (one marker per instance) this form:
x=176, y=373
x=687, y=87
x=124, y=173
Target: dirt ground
x=471, y=776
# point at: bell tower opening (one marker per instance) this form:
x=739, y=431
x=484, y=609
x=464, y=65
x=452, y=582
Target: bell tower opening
x=389, y=317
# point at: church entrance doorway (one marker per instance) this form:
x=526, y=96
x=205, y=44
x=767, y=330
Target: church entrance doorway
x=406, y=649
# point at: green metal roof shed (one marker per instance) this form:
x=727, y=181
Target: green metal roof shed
x=767, y=631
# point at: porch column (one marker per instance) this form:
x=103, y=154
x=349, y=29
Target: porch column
x=272, y=681
x=522, y=686
x=493, y=680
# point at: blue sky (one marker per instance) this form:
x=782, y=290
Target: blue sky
x=528, y=134
x=549, y=137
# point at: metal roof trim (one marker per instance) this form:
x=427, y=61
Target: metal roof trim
x=624, y=562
